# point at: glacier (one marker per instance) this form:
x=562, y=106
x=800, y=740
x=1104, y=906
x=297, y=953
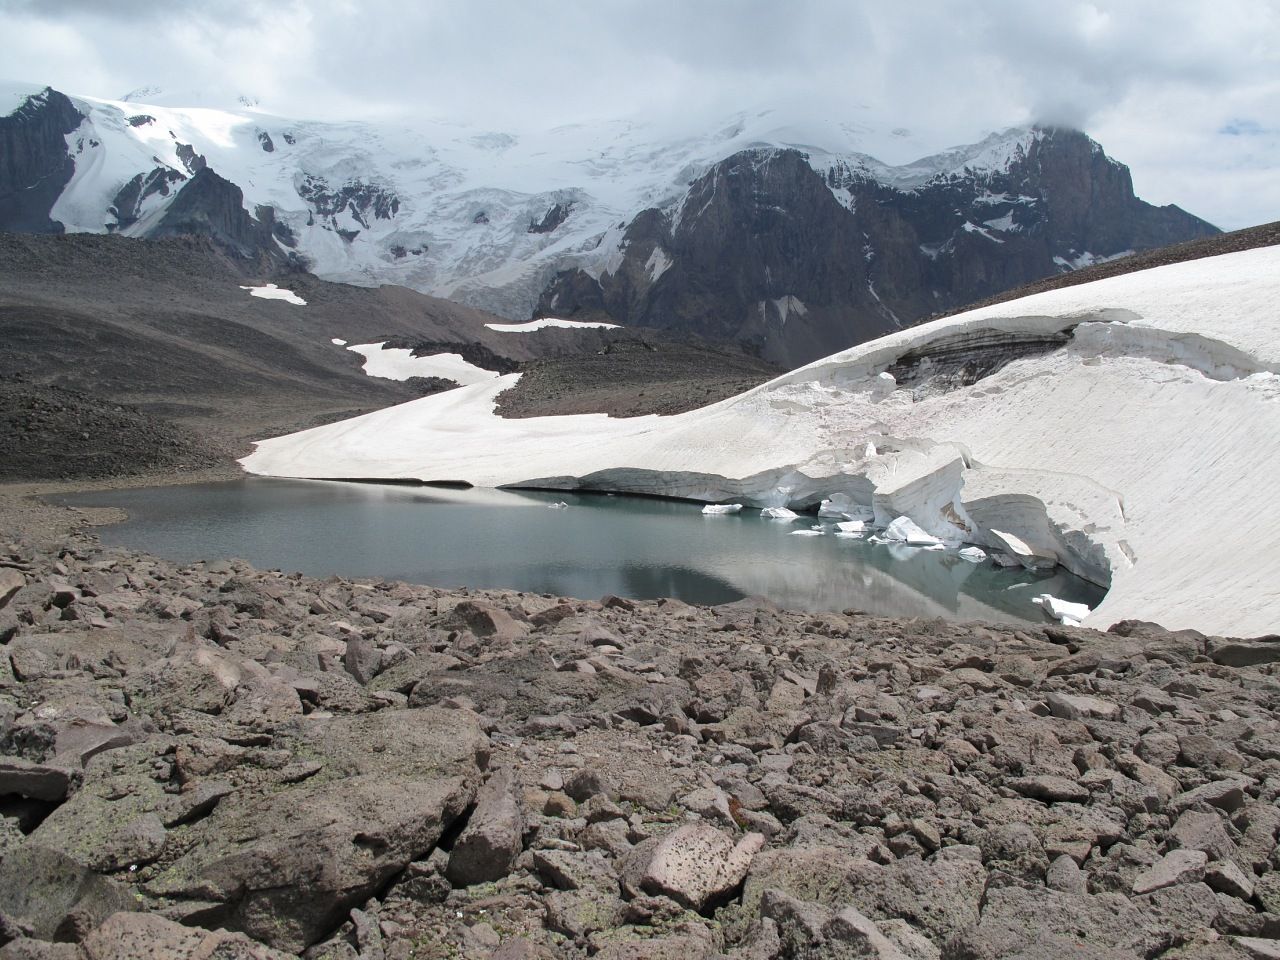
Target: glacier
x=1135, y=433
x=446, y=207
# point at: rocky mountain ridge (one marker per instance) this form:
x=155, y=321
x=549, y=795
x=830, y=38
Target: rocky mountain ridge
x=819, y=245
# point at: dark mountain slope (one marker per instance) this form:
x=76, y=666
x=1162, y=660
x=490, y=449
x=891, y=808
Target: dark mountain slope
x=766, y=250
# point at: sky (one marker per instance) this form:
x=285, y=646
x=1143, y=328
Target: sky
x=1186, y=92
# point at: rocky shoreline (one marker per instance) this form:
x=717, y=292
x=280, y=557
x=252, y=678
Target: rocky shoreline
x=214, y=760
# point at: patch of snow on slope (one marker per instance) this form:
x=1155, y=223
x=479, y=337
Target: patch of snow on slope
x=271, y=292
x=971, y=227
x=1088, y=259
x=529, y=326
x=657, y=264
x=398, y=364
x=1004, y=223
x=1120, y=442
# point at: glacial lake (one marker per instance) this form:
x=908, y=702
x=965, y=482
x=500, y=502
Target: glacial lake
x=597, y=545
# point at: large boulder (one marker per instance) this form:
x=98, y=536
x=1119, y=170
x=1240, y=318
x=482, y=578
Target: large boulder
x=49, y=895
x=145, y=936
x=697, y=864
x=492, y=839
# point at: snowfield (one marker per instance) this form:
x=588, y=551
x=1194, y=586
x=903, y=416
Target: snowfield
x=271, y=292
x=1140, y=453
x=530, y=326
x=400, y=364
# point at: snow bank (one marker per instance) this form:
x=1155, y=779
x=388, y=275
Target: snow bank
x=272, y=292
x=398, y=364
x=1124, y=454
x=530, y=326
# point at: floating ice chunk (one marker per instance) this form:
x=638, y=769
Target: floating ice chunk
x=804, y=533
x=905, y=529
x=847, y=535
x=973, y=554
x=876, y=538
x=779, y=513
x=719, y=509
x=1028, y=556
x=558, y=506
x=272, y=292
x=338, y=342
x=853, y=526
x=1070, y=614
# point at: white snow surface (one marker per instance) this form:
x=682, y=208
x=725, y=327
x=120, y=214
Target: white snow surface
x=529, y=326
x=271, y=292
x=1130, y=454
x=400, y=364
x=443, y=175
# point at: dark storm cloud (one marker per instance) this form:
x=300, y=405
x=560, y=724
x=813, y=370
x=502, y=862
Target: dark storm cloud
x=1158, y=81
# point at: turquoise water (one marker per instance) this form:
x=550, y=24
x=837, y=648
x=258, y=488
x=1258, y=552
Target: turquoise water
x=597, y=545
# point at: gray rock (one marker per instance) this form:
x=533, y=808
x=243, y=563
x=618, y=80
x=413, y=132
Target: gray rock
x=1202, y=831
x=491, y=841
x=697, y=864
x=145, y=936
x=362, y=659
x=53, y=897
x=1177, y=866
x=1065, y=876
x=1226, y=877
x=34, y=780
x=11, y=581
x=1049, y=788
x=812, y=930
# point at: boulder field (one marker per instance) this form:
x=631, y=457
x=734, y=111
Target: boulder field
x=217, y=761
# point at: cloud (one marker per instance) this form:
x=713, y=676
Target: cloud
x=949, y=71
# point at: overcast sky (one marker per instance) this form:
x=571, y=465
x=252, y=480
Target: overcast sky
x=1187, y=92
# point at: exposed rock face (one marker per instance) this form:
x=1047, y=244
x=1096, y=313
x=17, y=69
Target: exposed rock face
x=35, y=161
x=214, y=207
x=764, y=249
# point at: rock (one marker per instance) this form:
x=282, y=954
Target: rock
x=812, y=930
x=1202, y=831
x=361, y=659
x=145, y=936
x=698, y=865
x=1247, y=654
x=34, y=780
x=1226, y=877
x=1049, y=788
x=485, y=620
x=586, y=783
x=11, y=581
x=1177, y=866
x=53, y=897
x=1065, y=876
x=1257, y=948
x=1226, y=795
x=1075, y=707
x=492, y=838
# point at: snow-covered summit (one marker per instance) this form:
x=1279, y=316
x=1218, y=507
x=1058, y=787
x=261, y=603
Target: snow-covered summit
x=445, y=207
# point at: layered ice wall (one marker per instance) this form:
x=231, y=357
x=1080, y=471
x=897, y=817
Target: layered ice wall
x=1127, y=428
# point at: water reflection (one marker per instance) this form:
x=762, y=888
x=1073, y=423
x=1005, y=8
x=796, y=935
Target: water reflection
x=600, y=545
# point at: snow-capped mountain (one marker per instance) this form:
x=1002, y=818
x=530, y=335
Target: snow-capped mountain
x=827, y=245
